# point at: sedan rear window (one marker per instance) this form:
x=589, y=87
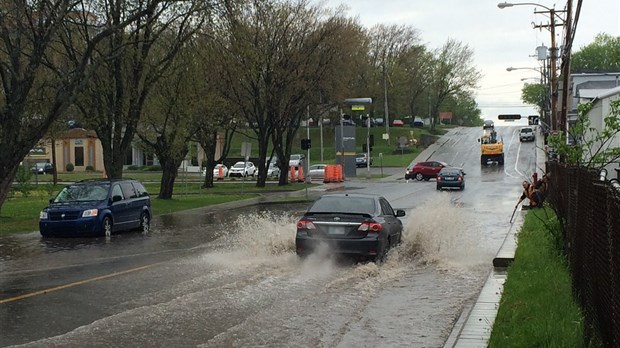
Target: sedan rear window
x=353, y=205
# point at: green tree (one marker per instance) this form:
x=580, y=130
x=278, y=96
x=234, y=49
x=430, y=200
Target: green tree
x=587, y=146
x=535, y=94
x=601, y=55
x=452, y=72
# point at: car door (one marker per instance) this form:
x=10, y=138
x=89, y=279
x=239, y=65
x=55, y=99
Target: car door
x=134, y=205
x=393, y=223
x=119, y=207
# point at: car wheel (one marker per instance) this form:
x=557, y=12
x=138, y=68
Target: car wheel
x=145, y=222
x=462, y=187
x=438, y=187
x=107, y=226
x=419, y=176
x=382, y=255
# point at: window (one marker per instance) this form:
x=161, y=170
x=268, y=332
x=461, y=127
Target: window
x=128, y=190
x=117, y=191
x=140, y=190
x=386, y=208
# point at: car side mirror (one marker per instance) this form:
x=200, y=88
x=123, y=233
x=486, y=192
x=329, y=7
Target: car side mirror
x=117, y=198
x=400, y=213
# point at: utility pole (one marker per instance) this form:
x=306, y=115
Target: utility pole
x=385, y=99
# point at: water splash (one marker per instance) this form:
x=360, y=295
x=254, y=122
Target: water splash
x=442, y=233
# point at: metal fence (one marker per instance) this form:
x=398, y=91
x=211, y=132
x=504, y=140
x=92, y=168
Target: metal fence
x=588, y=205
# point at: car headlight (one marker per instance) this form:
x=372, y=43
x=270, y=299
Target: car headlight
x=43, y=215
x=90, y=212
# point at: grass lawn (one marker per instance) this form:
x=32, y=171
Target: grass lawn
x=21, y=214
x=537, y=308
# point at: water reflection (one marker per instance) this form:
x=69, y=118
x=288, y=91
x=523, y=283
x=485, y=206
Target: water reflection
x=182, y=230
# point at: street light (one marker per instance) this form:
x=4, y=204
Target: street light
x=552, y=18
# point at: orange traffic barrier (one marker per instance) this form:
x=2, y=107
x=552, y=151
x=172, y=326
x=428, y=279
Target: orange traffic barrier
x=339, y=173
x=328, y=175
x=300, y=174
x=220, y=173
x=292, y=174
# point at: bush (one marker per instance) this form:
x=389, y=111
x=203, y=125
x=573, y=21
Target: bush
x=90, y=168
x=22, y=178
x=133, y=167
x=69, y=167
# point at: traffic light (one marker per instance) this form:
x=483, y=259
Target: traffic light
x=306, y=144
x=509, y=117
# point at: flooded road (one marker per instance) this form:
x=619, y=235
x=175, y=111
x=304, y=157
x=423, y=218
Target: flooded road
x=232, y=279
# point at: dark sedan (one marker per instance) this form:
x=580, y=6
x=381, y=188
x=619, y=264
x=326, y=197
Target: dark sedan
x=450, y=177
x=360, y=225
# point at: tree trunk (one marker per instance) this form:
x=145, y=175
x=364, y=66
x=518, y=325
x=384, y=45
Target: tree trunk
x=170, y=171
x=54, y=165
x=7, y=174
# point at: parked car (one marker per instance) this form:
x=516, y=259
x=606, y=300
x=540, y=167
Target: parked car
x=295, y=160
x=424, y=170
x=488, y=124
x=361, y=159
x=97, y=207
x=451, y=177
x=42, y=168
x=526, y=134
x=216, y=171
x=360, y=225
x=317, y=171
x=273, y=171
x=242, y=169
x=417, y=122
x=398, y=123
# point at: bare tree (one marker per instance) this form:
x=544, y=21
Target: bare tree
x=41, y=73
x=276, y=58
x=114, y=99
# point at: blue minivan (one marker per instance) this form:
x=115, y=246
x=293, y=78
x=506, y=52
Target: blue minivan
x=97, y=207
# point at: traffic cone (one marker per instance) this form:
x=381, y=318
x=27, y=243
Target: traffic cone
x=300, y=174
x=220, y=173
x=292, y=176
x=327, y=174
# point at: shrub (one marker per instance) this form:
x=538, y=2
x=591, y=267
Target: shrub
x=133, y=167
x=69, y=167
x=22, y=178
x=90, y=168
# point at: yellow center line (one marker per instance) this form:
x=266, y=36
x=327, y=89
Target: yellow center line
x=70, y=285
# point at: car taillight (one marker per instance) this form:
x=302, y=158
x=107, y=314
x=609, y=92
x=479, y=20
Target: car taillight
x=460, y=178
x=438, y=178
x=305, y=225
x=370, y=227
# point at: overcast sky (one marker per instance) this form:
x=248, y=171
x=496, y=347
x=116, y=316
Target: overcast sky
x=500, y=38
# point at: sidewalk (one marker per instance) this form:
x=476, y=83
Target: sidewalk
x=474, y=326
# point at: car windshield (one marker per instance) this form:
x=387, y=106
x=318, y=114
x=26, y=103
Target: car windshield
x=77, y=193
x=239, y=165
x=295, y=157
x=354, y=205
x=526, y=130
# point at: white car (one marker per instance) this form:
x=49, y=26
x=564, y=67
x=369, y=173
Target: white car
x=273, y=171
x=295, y=160
x=242, y=169
x=317, y=171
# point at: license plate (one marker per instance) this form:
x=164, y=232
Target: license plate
x=335, y=230
x=448, y=178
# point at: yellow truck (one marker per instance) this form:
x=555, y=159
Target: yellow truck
x=491, y=148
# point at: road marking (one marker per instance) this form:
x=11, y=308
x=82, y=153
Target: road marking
x=70, y=285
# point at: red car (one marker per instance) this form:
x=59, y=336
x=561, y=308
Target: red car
x=398, y=123
x=424, y=170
